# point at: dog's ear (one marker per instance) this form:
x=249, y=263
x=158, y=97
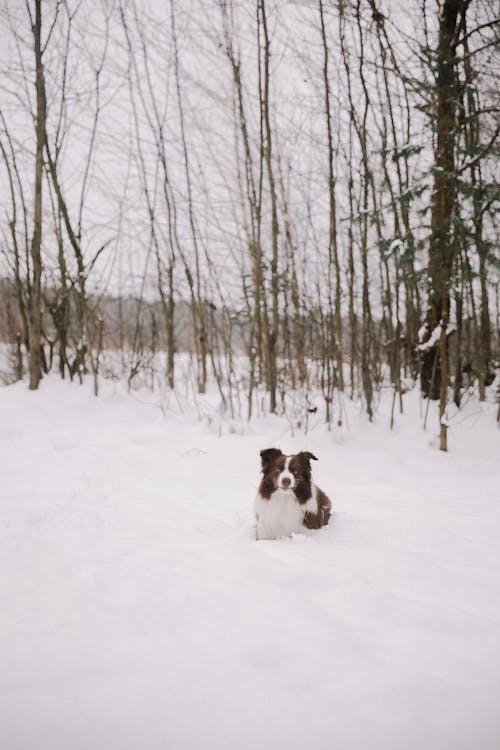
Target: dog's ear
x=268, y=455
x=306, y=457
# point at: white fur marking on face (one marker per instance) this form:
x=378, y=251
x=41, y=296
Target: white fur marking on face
x=286, y=474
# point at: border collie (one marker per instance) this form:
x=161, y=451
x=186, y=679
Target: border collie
x=287, y=500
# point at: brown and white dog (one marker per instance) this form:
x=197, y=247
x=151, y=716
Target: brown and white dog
x=288, y=501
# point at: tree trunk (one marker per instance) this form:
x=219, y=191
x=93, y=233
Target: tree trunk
x=36, y=244
x=441, y=251
x=272, y=336
x=333, y=255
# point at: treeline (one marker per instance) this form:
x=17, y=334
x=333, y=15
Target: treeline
x=310, y=185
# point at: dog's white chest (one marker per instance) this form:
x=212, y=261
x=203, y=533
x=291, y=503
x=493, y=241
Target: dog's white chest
x=281, y=515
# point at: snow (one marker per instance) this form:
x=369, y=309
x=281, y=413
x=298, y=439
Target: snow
x=138, y=611
x=434, y=337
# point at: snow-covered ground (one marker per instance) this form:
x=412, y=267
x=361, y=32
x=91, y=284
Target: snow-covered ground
x=137, y=611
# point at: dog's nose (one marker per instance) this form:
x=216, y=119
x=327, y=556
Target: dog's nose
x=286, y=482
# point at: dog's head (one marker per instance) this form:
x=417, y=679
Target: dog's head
x=286, y=473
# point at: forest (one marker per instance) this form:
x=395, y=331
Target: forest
x=249, y=374
x=300, y=197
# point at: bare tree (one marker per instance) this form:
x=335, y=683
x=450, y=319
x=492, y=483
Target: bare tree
x=35, y=316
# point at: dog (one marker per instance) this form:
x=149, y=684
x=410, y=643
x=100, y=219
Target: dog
x=288, y=501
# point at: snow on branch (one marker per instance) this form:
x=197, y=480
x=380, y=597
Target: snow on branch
x=434, y=337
